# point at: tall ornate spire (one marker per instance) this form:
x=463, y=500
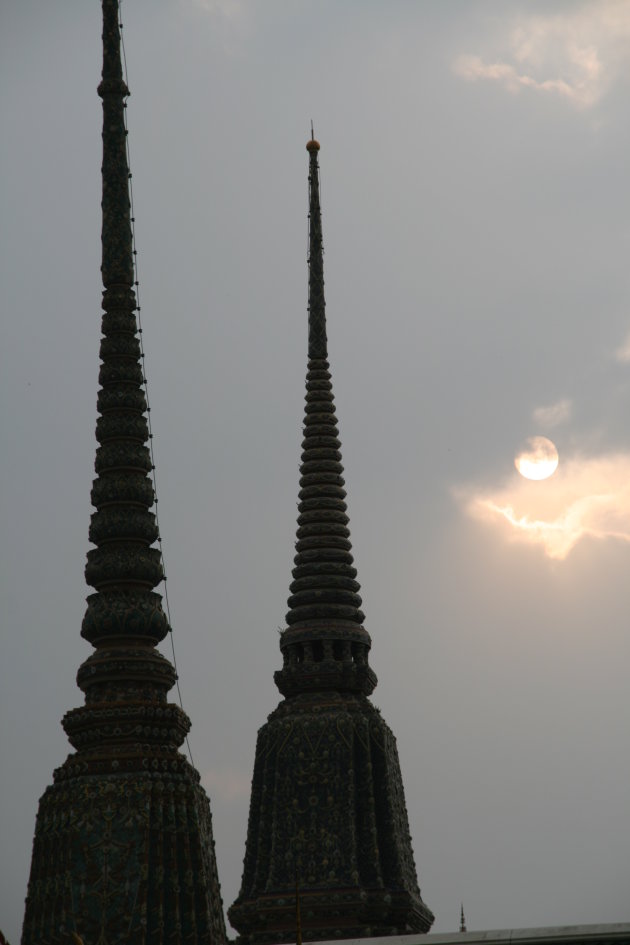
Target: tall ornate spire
x=123, y=847
x=324, y=606
x=327, y=804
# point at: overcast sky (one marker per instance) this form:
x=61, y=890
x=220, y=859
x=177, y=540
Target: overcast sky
x=476, y=216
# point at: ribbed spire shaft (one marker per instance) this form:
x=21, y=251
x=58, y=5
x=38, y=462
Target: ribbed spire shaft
x=117, y=267
x=123, y=847
x=324, y=616
x=317, y=341
x=123, y=568
x=324, y=586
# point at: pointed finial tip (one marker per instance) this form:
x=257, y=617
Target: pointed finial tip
x=312, y=145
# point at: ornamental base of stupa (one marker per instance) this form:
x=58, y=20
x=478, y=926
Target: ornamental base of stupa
x=121, y=858
x=328, y=815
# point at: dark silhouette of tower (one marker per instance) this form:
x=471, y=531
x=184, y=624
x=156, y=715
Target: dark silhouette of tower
x=123, y=849
x=327, y=810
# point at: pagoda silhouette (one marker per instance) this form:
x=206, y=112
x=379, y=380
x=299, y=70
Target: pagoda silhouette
x=327, y=810
x=123, y=849
x=123, y=852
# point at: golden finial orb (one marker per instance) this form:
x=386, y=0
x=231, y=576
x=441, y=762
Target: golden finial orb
x=312, y=145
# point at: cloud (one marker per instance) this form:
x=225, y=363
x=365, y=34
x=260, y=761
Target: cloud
x=588, y=497
x=575, y=55
x=231, y=24
x=473, y=67
x=622, y=353
x=226, y=9
x=553, y=414
x=226, y=783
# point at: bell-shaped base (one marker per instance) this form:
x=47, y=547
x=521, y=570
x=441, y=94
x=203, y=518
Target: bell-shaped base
x=328, y=813
x=121, y=858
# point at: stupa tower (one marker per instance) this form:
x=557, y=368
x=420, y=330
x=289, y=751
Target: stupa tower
x=327, y=808
x=123, y=849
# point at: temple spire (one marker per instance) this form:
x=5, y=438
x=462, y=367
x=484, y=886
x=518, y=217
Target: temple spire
x=317, y=341
x=117, y=257
x=327, y=803
x=325, y=606
x=125, y=809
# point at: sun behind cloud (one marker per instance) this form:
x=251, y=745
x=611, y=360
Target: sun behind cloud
x=588, y=497
x=538, y=460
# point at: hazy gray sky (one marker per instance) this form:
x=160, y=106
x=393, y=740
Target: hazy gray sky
x=476, y=219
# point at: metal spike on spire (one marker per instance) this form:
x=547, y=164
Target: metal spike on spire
x=462, y=919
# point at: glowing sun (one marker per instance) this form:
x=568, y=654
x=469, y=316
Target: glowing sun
x=539, y=458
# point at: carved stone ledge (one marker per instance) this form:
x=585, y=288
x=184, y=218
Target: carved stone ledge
x=121, y=371
x=115, y=486
x=122, y=344
x=325, y=676
x=125, y=614
x=326, y=612
x=121, y=398
x=122, y=522
x=122, y=454
x=115, y=424
x=101, y=725
x=121, y=319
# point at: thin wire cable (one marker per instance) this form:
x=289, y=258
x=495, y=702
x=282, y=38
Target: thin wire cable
x=145, y=382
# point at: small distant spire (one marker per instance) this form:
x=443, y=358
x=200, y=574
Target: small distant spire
x=462, y=919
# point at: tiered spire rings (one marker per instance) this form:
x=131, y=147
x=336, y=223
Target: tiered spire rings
x=325, y=645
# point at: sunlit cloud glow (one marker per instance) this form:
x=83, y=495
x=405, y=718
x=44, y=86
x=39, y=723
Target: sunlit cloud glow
x=574, y=55
x=588, y=497
x=623, y=351
x=226, y=783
